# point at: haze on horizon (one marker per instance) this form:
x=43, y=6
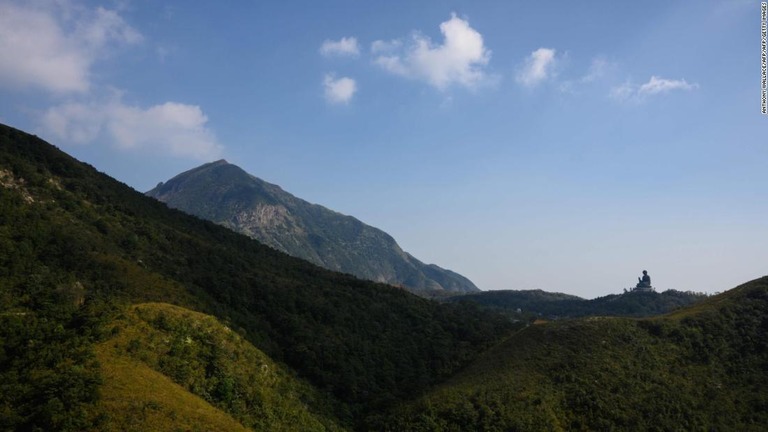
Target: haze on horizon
x=550, y=145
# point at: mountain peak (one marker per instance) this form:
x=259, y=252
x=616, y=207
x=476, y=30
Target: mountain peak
x=228, y=195
x=214, y=164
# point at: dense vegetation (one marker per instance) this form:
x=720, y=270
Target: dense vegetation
x=702, y=368
x=532, y=304
x=117, y=313
x=77, y=246
x=225, y=194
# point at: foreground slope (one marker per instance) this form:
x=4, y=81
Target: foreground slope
x=225, y=194
x=704, y=367
x=77, y=248
x=166, y=367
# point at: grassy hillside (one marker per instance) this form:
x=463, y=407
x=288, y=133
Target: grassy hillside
x=702, y=368
x=77, y=248
x=165, y=366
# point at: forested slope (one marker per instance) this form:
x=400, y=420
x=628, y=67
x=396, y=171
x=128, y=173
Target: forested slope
x=704, y=367
x=77, y=248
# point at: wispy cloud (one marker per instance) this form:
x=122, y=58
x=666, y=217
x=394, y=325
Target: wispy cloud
x=459, y=59
x=346, y=46
x=381, y=46
x=661, y=85
x=599, y=71
x=655, y=86
x=598, y=68
x=339, y=90
x=53, y=45
x=537, y=67
x=170, y=128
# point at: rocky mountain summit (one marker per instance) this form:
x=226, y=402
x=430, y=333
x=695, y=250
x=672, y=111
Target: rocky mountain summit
x=226, y=194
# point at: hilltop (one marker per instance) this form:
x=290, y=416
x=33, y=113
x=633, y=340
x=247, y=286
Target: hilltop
x=538, y=303
x=225, y=194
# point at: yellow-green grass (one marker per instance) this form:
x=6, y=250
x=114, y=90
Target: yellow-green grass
x=169, y=368
x=136, y=398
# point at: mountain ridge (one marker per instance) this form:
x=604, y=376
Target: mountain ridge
x=228, y=195
x=537, y=303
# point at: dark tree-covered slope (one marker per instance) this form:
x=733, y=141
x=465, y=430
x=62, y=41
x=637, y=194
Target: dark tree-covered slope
x=225, y=194
x=76, y=247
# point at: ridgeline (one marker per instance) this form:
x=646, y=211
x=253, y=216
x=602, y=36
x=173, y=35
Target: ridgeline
x=532, y=304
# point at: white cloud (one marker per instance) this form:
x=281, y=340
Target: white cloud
x=537, y=68
x=343, y=47
x=339, y=91
x=655, y=85
x=52, y=45
x=171, y=128
x=458, y=60
x=660, y=85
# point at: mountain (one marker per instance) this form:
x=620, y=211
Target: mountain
x=538, y=303
x=227, y=195
x=107, y=299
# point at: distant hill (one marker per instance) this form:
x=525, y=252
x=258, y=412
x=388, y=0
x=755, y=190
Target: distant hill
x=225, y=194
x=702, y=368
x=538, y=303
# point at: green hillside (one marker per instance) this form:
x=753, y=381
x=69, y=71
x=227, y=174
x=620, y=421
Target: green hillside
x=77, y=248
x=701, y=368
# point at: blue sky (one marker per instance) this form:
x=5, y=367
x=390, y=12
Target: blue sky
x=564, y=146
